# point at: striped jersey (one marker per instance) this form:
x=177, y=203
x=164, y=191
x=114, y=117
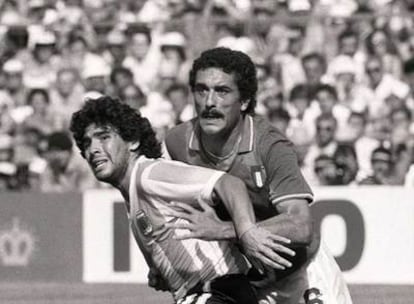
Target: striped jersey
x=155, y=183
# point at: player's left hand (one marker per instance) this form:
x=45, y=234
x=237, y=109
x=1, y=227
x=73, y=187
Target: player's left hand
x=200, y=223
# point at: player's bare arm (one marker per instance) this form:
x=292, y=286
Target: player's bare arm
x=257, y=242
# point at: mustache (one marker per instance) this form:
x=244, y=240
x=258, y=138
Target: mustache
x=211, y=113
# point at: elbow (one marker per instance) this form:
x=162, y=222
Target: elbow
x=305, y=227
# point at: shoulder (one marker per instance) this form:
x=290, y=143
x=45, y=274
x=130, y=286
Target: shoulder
x=178, y=136
x=266, y=135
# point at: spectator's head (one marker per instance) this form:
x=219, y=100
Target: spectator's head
x=95, y=75
x=116, y=44
x=178, y=95
x=295, y=40
x=58, y=150
x=325, y=170
x=327, y=97
x=43, y=46
x=378, y=42
x=173, y=46
x=357, y=123
x=344, y=69
x=140, y=41
x=13, y=71
x=106, y=114
x=346, y=163
x=77, y=45
x=263, y=15
x=133, y=96
x=121, y=77
x=348, y=42
x=382, y=162
x=234, y=63
x=279, y=118
x=66, y=80
x=374, y=69
x=299, y=98
x=314, y=65
x=401, y=117
x=38, y=99
x=326, y=126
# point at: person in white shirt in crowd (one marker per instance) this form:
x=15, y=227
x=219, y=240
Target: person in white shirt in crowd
x=351, y=93
x=364, y=144
x=41, y=67
x=66, y=95
x=382, y=85
x=349, y=46
x=95, y=75
x=115, y=50
x=289, y=62
x=379, y=43
x=143, y=54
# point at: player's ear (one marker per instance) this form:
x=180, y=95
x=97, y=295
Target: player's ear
x=133, y=146
x=245, y=104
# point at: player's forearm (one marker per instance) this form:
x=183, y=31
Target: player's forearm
x=235, y=198
x=294, y=222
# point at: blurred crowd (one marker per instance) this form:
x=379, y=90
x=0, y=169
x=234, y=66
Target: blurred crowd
x=336, y=76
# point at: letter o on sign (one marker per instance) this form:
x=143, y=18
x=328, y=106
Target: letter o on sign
x=355, y=228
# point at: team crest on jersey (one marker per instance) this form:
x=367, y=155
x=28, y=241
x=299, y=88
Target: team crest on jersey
x=258, y=175
x=143, y=222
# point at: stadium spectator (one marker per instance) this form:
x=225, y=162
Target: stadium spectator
x=326, y=102
x=120, y=78
x=66, y=96
x=346, y=162
x=144, y=55
x=326, y=171
x=279, y=118
x=133, y=96
x=351, y=93
x=382, y=85
x=65, y=170
x=41, y=67
x=314, y=66
x=364, y=144
x=41, y=118
x=382, y=163
x=325, y=143
x=115, y=53
x=379, y=44
x=178, y=95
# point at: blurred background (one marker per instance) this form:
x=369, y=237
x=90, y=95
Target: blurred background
x=335, y=76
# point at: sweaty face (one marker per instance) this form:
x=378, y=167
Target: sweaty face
x=217, y=101
x=106, y=152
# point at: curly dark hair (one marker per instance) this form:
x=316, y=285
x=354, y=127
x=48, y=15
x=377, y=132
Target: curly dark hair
x=230, y=61
x=128, y=122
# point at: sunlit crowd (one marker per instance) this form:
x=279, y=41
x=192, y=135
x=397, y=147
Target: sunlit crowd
x=336, y=77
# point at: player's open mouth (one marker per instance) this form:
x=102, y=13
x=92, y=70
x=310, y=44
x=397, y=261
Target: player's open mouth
x=98, y=163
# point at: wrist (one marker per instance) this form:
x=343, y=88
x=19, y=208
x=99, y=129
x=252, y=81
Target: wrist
x=245, y=230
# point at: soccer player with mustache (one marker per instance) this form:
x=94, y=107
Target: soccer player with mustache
x=226, y=135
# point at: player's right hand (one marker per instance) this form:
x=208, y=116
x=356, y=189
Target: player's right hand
x=260, y=244
x=156, y=281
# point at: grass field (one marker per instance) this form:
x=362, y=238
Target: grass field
x=47, y=293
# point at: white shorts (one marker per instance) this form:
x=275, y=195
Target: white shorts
x=318, y=282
